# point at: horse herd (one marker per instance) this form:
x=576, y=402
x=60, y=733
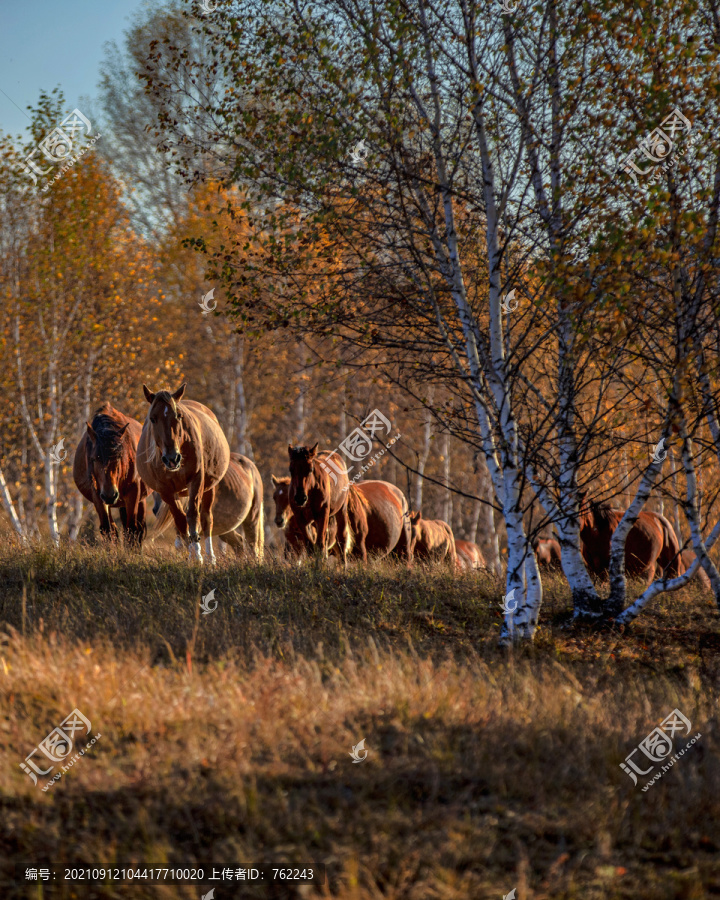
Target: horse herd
x=182, y=456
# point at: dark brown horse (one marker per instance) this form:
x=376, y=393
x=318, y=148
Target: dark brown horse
x=651, y=543
x=238, y=516
x=432, y=540
x=106, y=473
x=319, y=490
x=296, y=539
x=548, y=554
x=183, y=452
x=469, y=555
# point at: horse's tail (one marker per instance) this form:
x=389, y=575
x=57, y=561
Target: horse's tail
x=671, y=560
x=260, y=533
x=162, y=521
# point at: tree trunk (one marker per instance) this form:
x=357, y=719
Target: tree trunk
x=241, y=415
x=447, y=509
x=423, y=456
x=9, y=506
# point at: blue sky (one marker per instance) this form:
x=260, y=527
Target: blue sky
x=44, y=43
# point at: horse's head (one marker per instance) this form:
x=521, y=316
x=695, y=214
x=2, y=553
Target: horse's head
x=281, y=496
x=104, y=454
x=302, y=472
x=166, y=425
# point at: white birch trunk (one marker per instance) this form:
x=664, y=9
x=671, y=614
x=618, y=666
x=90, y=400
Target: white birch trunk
x=447, y=510
x=9, y=507
x=423, y=456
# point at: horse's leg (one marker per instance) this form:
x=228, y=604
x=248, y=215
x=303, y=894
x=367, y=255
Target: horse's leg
x=233, y=539
x=195, y=495
x=107, y=526
x=140, y=523
x=206, y=520
x=131, y=518
x=181, y=525
x=343, y=529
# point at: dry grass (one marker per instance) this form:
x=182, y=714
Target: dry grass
x=226, y=738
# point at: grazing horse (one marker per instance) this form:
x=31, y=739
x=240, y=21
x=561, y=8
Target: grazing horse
x=548, y=554
x=318, y=491
x=432, y=540
x=469, y=555
x=238, y=510
x=688, y=558
x=106, y=473
x=651, y=542
x=183, y=452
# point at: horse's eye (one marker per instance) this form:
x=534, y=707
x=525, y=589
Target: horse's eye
x=153, y=419
x=180, y=416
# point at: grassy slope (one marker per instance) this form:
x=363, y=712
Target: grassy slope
x=226, y=737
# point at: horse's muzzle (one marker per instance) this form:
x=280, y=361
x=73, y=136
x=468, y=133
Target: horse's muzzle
x=301, y=499
x=171, y=462
x=109, y=498
x=279, y=521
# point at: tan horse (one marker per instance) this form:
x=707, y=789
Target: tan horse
x=318, y=491
x=548, y=554
x=183, y=452
x=105, y=472
x=238, y=510
x=469, y=555
x=388, y=520
x=432, y=540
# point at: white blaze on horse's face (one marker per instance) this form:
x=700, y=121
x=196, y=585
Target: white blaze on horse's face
x=167, y=431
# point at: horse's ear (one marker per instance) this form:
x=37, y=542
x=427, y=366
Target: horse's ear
x=149, y=396
x=180, y=391
x=313, y=450
x=290, y=450
x=274, y=480
x=91, y=433
x=124, y=429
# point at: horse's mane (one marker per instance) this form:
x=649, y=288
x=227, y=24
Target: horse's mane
x=357, y=497
x=285, y=479
x=605, y=513
x=109, y=436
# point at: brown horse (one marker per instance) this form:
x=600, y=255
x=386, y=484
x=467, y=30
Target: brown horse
x=688, y=558
x=432, y=540
x=238, y=516
x=388, y=519
x=106, y=473
x=296, y=539
x=183, y=452
x=469, y=555
x=548, y=554
x=319, y=490
x=651, y=543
